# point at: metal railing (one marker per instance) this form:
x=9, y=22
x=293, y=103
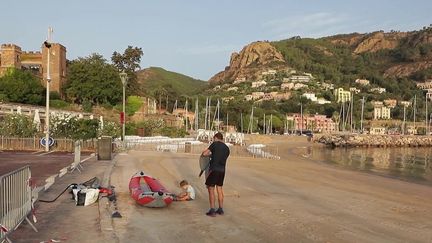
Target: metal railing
x=15, y=201
x=66, y=145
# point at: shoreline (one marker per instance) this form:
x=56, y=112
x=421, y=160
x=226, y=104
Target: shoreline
x=367, y=140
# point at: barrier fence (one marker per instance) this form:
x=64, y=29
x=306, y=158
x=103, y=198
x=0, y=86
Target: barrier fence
x=268, y=152
x=33, y=144
x=15, y=201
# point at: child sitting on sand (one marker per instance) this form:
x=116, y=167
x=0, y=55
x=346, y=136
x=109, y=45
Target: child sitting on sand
x=188, y=193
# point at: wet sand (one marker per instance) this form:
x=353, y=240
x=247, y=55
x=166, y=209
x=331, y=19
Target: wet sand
x=289, y=200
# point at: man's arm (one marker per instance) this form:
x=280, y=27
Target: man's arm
x=206, y=152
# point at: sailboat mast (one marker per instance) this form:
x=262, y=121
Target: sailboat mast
x=196, y=115
x=186, y=115
x=301, y=118
x=362, y=111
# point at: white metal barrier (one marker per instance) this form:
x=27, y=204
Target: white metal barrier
x=257, y=150
x=15, y=201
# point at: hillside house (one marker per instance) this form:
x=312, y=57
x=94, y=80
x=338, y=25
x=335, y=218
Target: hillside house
x=363, y=82
x=405, y=103
x=239, y=80
x=390, y=103
x=355, y=90
x=327, y=86
x=248, y=97
x=259, y=84
x=425, y=86
x=232, y=89
x=269, y=72
x=323, y=101
x=298, y=86
x=257, y=95
x=288, y=86
x=378, y=90
x=300, y=78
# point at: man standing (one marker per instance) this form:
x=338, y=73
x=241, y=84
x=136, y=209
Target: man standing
x=218, y=152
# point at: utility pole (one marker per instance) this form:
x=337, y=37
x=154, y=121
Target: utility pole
x=264, y=125
x=47, y=44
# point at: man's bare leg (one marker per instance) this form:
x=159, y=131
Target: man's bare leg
x=211, y=191
x=220, y=194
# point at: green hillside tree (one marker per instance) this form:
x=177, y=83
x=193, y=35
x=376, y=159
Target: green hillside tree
x=129, y=62
x=93, y=81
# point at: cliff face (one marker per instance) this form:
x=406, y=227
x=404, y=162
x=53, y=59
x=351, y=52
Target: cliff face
x=253, y=59
x=379, y=41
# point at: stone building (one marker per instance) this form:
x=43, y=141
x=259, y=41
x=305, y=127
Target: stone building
x=11, y=56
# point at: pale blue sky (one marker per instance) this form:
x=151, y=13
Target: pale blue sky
x=196, y=37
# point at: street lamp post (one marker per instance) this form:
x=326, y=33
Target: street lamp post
x=123, y=78
x=47, y=44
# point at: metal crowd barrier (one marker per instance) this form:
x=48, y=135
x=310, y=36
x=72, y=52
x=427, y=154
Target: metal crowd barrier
x=15, y=201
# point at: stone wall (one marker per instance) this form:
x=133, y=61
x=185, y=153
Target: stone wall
x=363, y=140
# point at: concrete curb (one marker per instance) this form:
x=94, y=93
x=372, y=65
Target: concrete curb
x=52, y=179
x=106, y=221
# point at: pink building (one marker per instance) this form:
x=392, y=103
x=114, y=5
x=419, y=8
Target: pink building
x=315, y=123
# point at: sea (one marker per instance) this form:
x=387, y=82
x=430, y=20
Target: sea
x=409, y=164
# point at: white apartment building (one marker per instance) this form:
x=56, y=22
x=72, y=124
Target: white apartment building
x=232, y=89
x=310, y=96
x=341, y=95
x=382, y=112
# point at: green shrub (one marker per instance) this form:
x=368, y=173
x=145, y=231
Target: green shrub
x=58, y=104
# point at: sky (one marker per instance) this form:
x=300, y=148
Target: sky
x=196, y=37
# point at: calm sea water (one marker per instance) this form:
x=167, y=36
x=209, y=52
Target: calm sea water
x=413, y=164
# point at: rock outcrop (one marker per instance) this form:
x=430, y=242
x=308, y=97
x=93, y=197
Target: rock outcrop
x=252, y=60
x=357, y=140
x=379, y=41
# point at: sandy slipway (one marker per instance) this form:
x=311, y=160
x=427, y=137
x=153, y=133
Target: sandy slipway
x=288, y=200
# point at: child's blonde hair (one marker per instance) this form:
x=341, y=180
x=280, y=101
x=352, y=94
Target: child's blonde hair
x=184, y=183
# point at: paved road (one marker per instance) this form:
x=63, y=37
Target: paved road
x=290, y=200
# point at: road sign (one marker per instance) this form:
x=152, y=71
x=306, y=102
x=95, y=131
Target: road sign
x=122, y=117
x=50, y=141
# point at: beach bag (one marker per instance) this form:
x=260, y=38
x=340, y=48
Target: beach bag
x=86, y=196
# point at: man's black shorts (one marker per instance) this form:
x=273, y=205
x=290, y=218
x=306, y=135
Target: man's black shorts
x=215, y=178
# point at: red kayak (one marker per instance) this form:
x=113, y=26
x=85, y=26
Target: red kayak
x=148, y=191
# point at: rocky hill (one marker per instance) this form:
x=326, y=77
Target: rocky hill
x=250, y=62
x=377, y=56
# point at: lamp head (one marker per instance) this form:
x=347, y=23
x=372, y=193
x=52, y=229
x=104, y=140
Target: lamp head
x=123, y=77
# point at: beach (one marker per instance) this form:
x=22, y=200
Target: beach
x=294, y=199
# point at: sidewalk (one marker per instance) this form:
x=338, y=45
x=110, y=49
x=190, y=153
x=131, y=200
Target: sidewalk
x=62, y=220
